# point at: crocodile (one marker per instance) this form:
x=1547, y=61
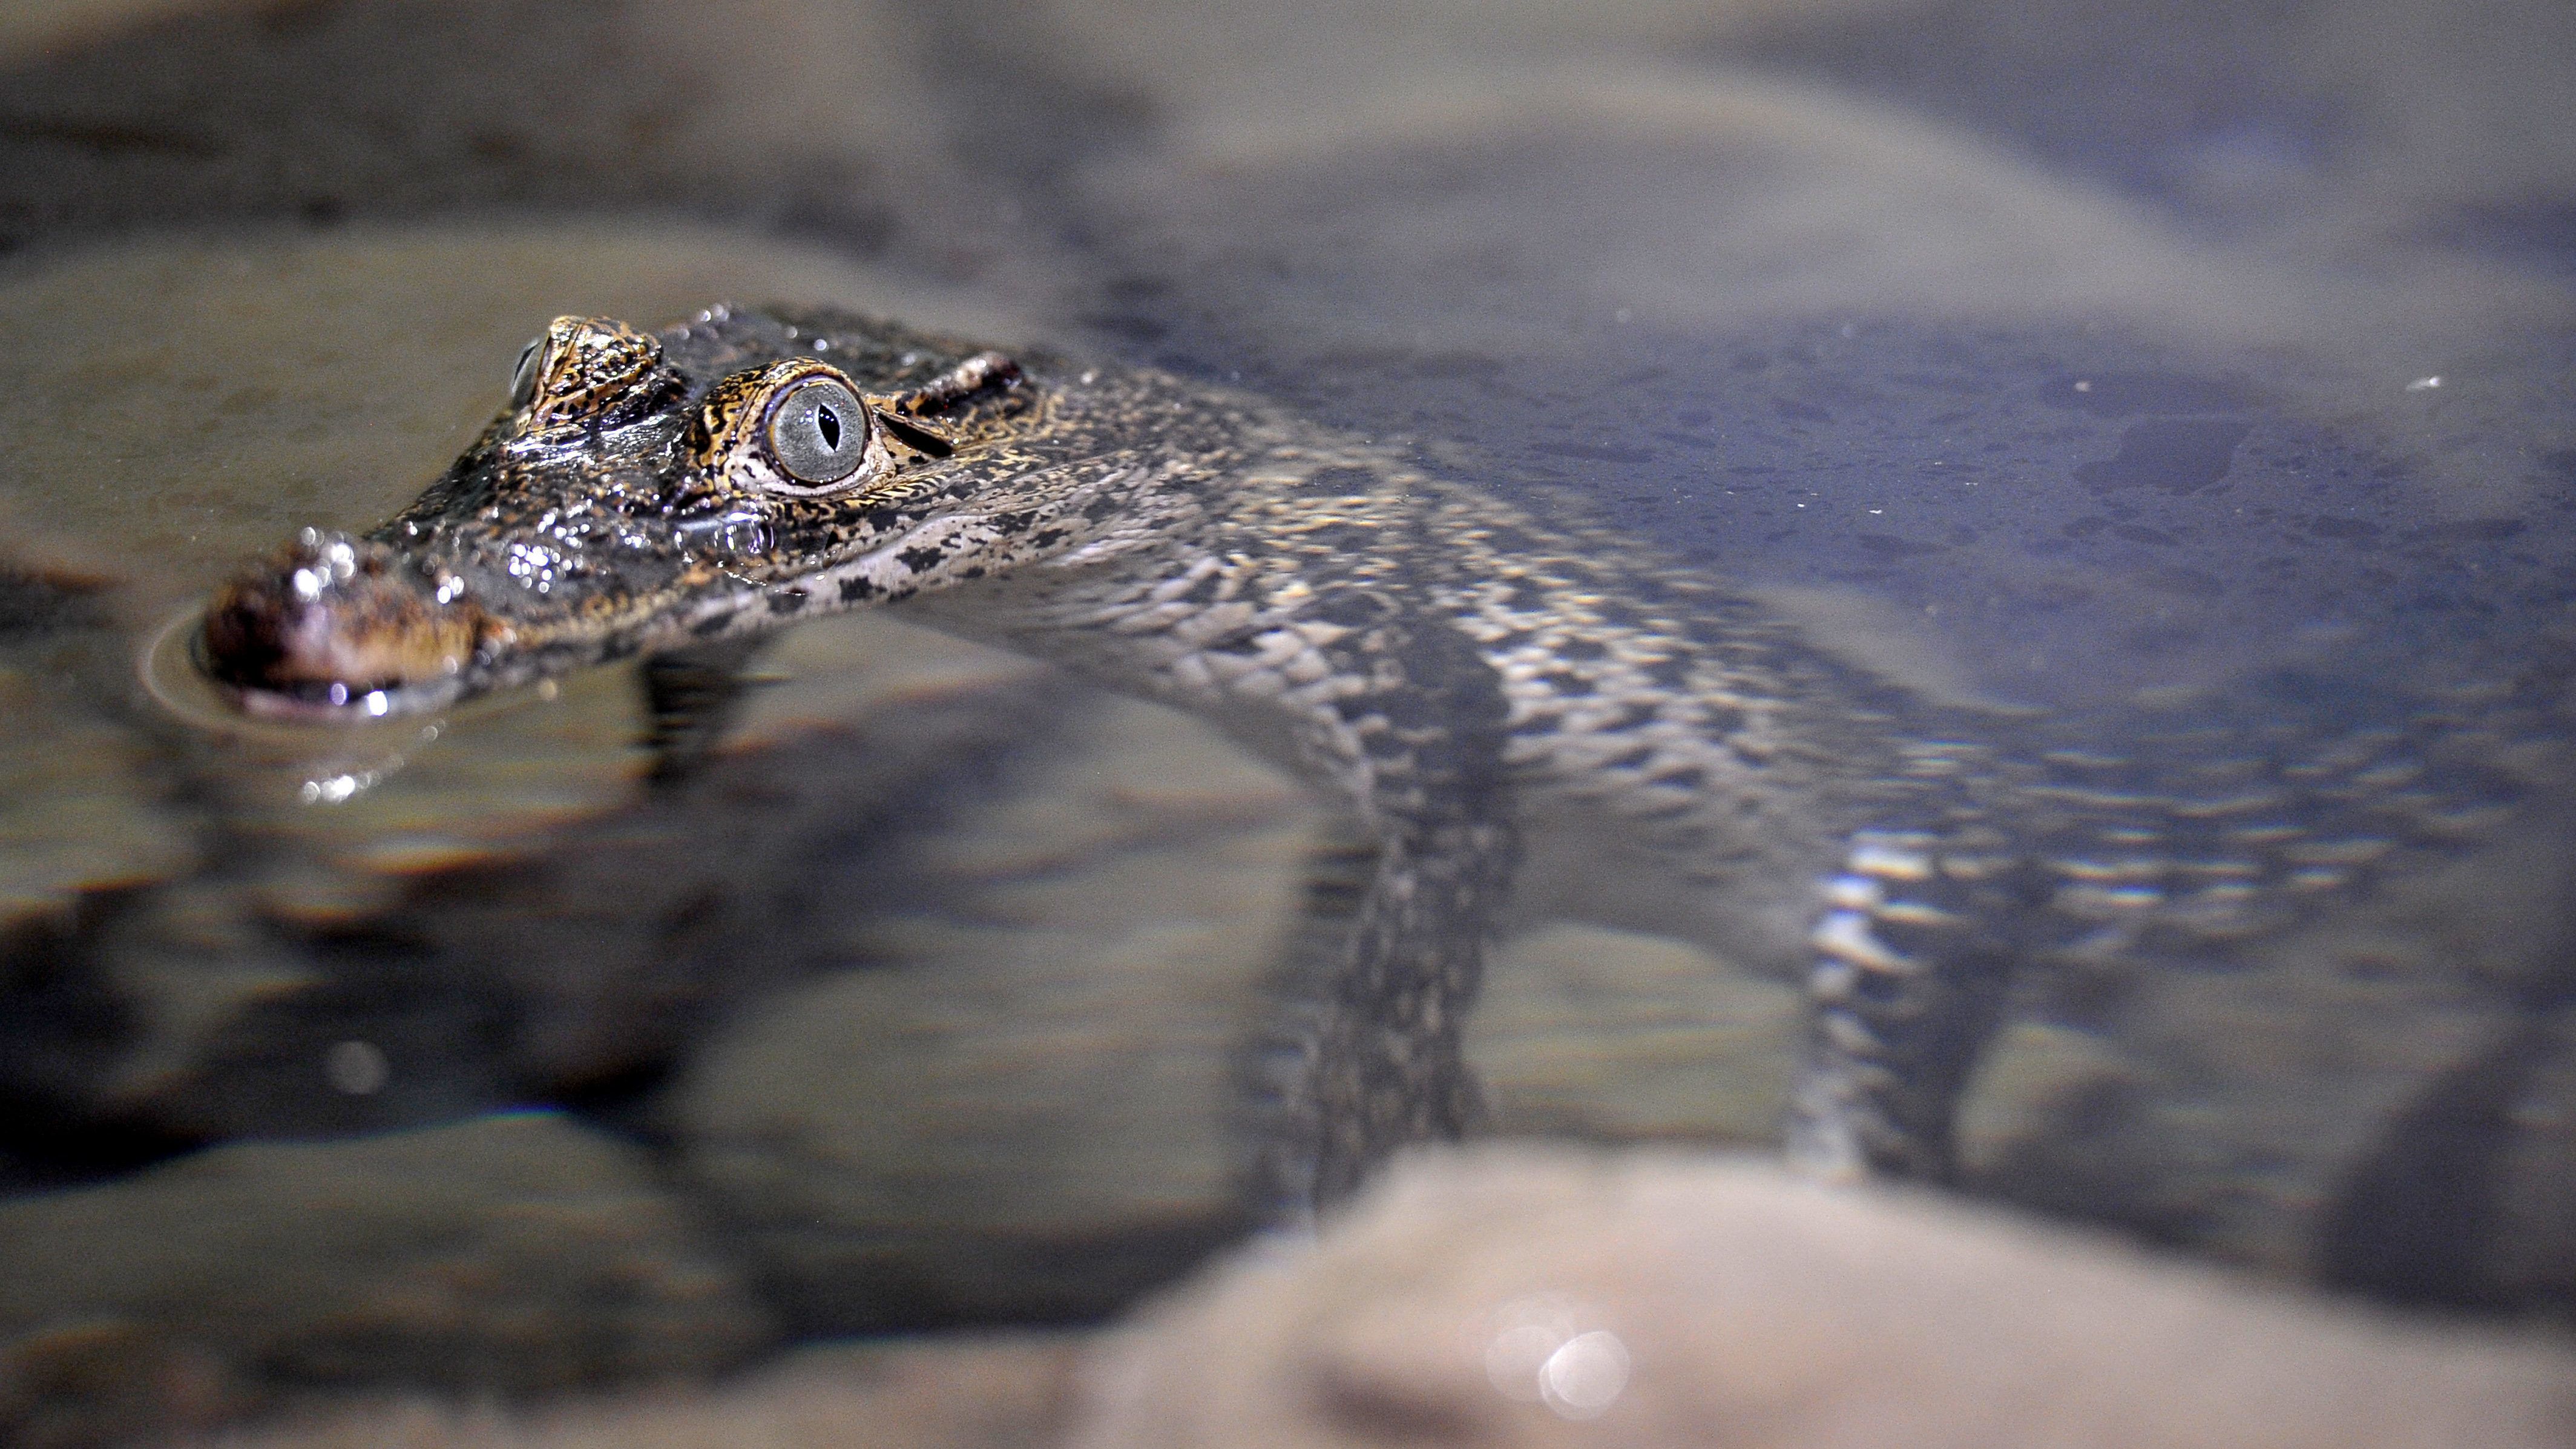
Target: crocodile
x=1450, y=670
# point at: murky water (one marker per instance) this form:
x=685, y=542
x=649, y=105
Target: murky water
x=2080, y=373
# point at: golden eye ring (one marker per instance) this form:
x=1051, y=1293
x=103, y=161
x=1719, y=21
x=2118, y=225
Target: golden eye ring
x=798, y=428
x=818, y=431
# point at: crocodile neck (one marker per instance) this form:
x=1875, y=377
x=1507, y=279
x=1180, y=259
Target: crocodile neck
x=1297, y=599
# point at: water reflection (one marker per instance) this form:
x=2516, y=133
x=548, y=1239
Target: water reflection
x=328, y=764
x=1586, y=1375
x=1541, y=1354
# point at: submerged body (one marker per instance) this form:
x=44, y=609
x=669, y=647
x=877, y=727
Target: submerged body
x=1444, y=666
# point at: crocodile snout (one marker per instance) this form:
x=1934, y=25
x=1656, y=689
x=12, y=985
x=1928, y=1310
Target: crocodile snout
x=333, y=622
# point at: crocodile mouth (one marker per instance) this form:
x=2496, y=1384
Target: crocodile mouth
x=337, y=627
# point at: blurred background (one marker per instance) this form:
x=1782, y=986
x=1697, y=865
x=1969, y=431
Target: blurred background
x=2036, y=353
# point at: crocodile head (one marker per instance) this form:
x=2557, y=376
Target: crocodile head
x=642, y=491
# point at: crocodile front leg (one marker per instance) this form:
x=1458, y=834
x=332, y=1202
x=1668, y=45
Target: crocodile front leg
x=1917, y=946
x=1361, y=1055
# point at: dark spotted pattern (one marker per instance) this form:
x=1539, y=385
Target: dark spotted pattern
x=1450, y=670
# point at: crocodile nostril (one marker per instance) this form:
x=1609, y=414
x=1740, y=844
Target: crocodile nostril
x=330, y=619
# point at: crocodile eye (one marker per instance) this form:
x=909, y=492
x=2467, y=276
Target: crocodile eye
x=818, y=431
x=797, y=427
x=523, y=378
x=581, y=372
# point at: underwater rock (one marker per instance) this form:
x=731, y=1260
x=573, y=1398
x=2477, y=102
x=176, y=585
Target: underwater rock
x=1003, y=1391
x=2534, y=1252
x=476, y=975
x=1605, y=1035
x=1016, y=1102
x=1512, y=1296
x=2376, y=1104
x=820, y=119
x=506, y=1255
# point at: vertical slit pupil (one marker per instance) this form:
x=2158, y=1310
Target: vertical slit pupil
x=829, y=423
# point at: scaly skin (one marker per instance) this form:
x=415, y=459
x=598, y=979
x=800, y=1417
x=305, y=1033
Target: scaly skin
x=1439, y=663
